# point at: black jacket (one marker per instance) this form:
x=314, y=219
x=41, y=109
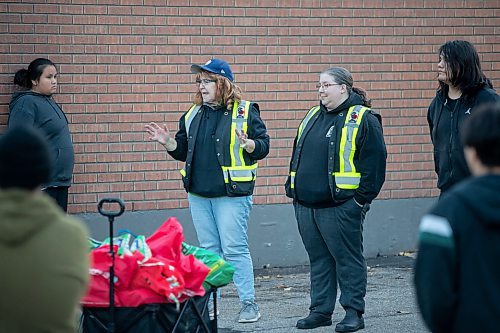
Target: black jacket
x=445, y=125
x=207, y=149
x=457, y=273
x=42, y=112
x=369, y=158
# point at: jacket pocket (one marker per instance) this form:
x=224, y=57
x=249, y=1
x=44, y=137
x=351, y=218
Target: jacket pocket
x=63, y=164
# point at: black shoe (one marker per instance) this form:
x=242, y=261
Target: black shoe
x=352, y=322
x=314, y=320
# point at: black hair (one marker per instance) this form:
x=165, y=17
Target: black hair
x=25, y=158
x=343, y=76
x=463, y=68
x=23, y=77
x=482, y=133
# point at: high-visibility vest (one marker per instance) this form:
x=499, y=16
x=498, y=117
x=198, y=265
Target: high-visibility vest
x=302, y=125
x=347, y=177
x=237, y=170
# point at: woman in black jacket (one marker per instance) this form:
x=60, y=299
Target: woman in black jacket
x=34, y=106
x=220, y=139
x=462, y=87
x=337, y=168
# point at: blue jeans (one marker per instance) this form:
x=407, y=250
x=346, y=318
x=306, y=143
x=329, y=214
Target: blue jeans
x=221, y=225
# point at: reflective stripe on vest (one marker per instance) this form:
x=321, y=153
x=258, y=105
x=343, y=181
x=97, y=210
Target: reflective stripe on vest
x=303, y=124
x=306, y=119
x=347, y=177
x=237, y=170
x=188, y=119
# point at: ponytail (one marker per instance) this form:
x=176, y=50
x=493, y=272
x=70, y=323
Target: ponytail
x=366, y=101
x=21, y=78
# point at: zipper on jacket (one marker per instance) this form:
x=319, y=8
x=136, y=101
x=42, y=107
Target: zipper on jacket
x=451, y=143
x=451, y=136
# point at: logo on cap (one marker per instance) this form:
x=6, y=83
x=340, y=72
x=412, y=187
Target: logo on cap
x=216, y=66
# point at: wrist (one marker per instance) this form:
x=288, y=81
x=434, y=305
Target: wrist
x=170, y=144
x=249, y=146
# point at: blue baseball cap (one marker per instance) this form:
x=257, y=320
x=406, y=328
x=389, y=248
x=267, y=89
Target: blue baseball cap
x=216, y=66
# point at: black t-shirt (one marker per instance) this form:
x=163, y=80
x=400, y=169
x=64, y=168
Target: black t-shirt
x=451, y=103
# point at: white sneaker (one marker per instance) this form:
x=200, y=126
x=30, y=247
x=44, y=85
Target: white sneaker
x=249, y=312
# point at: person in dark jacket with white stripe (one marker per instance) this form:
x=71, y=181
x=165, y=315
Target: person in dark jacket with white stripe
x=457, y=273
x=462, y=88
x=337, y=168
x=34, y=106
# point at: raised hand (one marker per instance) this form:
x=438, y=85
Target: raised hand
x=161, y=134
x=245, y=142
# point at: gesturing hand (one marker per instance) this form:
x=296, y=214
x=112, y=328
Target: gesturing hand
x=161, y=135
x=245, y=142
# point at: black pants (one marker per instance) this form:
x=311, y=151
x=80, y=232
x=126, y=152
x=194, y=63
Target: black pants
x=60, y=194
x=333, y=238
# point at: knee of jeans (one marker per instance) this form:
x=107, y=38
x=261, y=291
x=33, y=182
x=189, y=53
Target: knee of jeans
x=233, y=251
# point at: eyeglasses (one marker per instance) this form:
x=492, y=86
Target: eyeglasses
x=204, y=82
x=326, y=85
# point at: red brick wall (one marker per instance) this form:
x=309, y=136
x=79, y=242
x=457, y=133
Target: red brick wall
x=124, y=63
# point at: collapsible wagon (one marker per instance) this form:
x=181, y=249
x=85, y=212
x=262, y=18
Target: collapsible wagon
x=192, y=315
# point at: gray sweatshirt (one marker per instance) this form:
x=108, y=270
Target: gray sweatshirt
x=42, y=112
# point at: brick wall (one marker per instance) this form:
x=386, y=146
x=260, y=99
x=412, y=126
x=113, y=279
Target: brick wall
x=124, y=63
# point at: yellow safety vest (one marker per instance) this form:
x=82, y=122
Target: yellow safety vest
x=237, y=170
x=347, y=177
x=302, y=125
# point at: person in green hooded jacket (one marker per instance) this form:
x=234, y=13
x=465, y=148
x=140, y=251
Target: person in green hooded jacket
x=43, y=252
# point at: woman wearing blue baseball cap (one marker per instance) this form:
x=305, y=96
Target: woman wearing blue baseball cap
x=220, y=139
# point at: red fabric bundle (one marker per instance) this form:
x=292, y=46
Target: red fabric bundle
x=169, y=276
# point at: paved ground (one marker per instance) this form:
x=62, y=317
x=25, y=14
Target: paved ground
x=283, y=297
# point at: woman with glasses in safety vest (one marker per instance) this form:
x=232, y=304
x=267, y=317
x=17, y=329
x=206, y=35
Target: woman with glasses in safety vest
x=336, y=170
x=220, y=139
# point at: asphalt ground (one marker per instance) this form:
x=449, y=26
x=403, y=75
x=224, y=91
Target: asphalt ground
x=283, y=297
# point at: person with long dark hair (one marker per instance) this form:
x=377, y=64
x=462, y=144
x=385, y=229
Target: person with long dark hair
x=34, y=106
x=462, y=88
x=220, y=139
x=337, y=168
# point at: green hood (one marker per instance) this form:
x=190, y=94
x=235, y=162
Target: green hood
x=23, y=214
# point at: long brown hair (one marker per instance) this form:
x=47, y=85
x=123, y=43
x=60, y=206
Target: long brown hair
x=226, y=92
